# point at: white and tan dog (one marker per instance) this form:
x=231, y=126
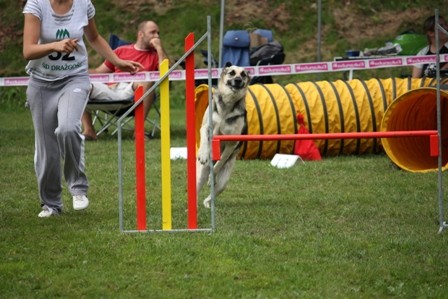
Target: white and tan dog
x=229, y=118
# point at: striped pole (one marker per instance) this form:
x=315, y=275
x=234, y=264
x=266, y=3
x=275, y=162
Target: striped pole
x=140, y=180
x=165, y=147
x=191, y=133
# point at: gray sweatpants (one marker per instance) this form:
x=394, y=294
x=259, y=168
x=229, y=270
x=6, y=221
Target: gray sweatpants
x=56, y=109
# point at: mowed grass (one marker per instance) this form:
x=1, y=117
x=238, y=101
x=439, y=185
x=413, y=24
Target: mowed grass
x=343, y=227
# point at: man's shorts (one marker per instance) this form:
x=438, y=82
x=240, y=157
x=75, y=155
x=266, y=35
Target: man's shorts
x=120, y=91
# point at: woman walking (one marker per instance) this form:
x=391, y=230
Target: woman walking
x=58, y=92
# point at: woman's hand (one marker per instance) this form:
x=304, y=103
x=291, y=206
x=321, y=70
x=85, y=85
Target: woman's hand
x=129, y=66
x=67, y=45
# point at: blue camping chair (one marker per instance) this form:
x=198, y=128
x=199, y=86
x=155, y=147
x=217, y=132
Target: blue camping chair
x=107, y=112
x=115, y=42
x=266, y=33
x=235, y=49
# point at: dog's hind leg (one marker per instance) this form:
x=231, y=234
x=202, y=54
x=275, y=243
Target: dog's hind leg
x=202, y=174
x=227, y=154
x=227, y=159
x=221, y=179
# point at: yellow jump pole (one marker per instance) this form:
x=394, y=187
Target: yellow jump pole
x=165, y=147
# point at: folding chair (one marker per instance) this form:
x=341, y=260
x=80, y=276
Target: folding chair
x=106, y=112
x=236, y=48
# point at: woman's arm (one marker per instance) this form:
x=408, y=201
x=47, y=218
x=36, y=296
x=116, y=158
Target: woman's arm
x=102, y=69
x=31, y=47
x=416, y=72
x=102, y=47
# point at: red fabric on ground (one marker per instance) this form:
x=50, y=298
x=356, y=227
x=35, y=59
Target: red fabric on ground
x=305, y=148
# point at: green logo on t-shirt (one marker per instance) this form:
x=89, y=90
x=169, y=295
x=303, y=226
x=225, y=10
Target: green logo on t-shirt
x=62, y=33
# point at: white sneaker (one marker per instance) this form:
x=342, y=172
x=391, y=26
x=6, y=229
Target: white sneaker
x=47, y=212
x=80, y=202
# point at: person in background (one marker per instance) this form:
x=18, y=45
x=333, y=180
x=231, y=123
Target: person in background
x=148, y=51
x=58, y=91
x=429, y=70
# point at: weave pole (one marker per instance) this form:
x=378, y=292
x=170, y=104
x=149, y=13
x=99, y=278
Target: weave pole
x=166, y=200
x=140, y=180
x=439, y=29
x=191, y=134
x=165, y=147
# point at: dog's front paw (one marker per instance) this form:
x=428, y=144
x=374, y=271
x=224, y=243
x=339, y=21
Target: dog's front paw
x=202, y=156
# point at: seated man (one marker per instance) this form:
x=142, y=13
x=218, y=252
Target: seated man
x=149, y=52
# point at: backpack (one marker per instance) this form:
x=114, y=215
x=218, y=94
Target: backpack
x=269, y=53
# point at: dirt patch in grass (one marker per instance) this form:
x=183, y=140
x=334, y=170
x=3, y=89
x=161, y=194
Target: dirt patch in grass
x=354, y=26
x=350, y=23
x=158, y=6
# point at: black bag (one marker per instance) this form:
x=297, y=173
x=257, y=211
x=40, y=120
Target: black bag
x=269, y=53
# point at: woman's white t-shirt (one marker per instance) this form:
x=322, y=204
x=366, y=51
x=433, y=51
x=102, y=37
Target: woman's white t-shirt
x=56, y=27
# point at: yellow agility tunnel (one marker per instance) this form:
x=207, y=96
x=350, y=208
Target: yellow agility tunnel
x=416, y=110
x=327, y=107
x=270, y=110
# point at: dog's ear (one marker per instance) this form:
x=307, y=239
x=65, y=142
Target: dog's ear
x=248, y=77
x=228, y=63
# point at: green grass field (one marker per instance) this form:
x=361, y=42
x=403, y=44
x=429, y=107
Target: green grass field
x=344, y=227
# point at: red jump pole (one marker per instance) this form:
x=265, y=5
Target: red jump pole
x=191, y=133
x=216, y=149
x=140, y=180
x=313, y=136
x=434, y=145
x=432, y=134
